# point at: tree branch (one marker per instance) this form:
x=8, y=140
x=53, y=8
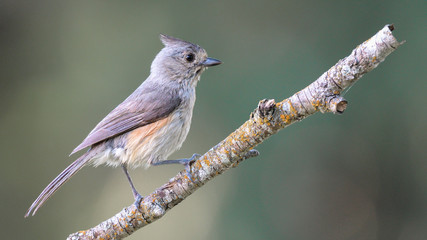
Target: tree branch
x=268, y=118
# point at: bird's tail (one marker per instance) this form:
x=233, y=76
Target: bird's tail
x=58, y=182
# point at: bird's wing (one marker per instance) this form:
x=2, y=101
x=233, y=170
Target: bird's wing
x=139, y=109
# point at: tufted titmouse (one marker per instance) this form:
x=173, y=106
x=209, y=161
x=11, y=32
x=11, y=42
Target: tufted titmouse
x=150, y=124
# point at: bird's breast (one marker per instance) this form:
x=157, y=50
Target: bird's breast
x=156, y=141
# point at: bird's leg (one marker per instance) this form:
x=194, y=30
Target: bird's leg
x=138, y=198
x=184, y=161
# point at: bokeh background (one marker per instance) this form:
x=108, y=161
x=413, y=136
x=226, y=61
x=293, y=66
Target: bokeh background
x=362, y=175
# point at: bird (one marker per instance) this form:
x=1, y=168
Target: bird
x=150, y=124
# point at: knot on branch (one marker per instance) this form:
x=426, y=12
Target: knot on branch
x=248, y=154
x=265, y=109
x=336, y=104
x=157, y=211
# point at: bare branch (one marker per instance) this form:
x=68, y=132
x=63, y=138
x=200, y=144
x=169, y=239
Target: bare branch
x=269, y=117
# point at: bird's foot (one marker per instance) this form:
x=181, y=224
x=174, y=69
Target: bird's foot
x=187, y=165
x=138, y=198
x=184, y=161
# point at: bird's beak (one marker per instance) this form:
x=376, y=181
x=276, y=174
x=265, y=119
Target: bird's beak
x=211, y=62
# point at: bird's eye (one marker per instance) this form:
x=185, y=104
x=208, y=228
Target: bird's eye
x=189, y=57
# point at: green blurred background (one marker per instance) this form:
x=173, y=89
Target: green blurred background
x=362, y=175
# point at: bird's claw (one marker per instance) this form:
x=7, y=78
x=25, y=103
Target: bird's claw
x=138, y=199
x=188, y=163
